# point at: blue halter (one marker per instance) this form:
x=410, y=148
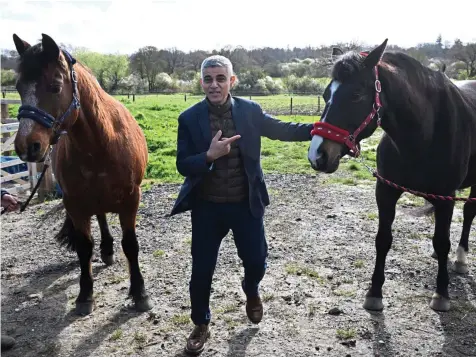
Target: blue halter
x=47, y=120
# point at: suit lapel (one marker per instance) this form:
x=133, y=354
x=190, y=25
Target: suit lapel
x=204, y=122
x=237, y=116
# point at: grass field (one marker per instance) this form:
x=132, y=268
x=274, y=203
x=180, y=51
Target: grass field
x=157, y=115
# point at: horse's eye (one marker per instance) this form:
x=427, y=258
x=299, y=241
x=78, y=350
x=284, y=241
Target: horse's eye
x=55, y=88
x=357, y=96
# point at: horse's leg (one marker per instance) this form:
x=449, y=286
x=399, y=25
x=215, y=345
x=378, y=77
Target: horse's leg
x=387, y=198
x=130, y=247
x=469, y=212
x=107, y=241
x=84, y=248
x=441, y=244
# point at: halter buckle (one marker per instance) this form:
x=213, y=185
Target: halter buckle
x=73, y=76
x=378, y=86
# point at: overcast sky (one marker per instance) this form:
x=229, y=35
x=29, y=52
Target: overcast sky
x=125, y=26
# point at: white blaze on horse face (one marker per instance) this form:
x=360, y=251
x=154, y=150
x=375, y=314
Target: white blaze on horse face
x=316, y=139
x=25, y=126
x=334, y=86
x=315, y=144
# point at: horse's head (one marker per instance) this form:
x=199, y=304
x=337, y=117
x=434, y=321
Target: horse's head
x=48, y=90
x=352, y=101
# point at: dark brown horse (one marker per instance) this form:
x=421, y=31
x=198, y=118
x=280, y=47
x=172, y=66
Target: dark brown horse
x=99, y=156
x=429, y=146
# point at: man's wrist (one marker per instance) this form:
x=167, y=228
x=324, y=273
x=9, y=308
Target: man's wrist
x=209, y=157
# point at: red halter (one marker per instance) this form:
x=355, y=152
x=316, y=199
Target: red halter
x=342, y=136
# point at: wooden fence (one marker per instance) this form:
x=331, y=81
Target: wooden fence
x=25, y=175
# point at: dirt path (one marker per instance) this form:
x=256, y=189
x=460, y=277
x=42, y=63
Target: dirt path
x=321, y=257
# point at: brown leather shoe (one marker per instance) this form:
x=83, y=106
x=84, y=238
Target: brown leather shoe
x=196, y=340
x=254, y=309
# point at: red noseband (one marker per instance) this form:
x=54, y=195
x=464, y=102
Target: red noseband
x=341, y=136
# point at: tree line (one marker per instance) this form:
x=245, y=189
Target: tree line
x=260, y=71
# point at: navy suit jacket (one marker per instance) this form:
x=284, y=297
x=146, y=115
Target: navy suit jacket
x=194, y=138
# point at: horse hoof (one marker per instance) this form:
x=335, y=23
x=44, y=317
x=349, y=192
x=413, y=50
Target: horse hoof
x=439, y=303
x=373, y=303
x=108, y=259
x=460, y=268
x=143, y=304
x=434, y=256
x=84, y=308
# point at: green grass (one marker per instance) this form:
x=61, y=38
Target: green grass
x=116, y=335
x=158, y=253
x=345, y=334
x=296, y=269
x=180, y=319
x=157, y=115
x=359, y=263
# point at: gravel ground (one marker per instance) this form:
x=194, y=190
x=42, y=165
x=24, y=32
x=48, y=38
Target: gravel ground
x=321, y=257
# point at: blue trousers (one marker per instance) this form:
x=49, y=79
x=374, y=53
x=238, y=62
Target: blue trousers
x=211, y=222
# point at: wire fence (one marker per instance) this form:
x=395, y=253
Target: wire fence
x=287, y=103
x=279, y=104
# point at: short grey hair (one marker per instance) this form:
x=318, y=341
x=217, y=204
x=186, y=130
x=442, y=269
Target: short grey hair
x=217, y=61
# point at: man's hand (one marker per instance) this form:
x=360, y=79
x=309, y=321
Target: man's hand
x=10, y=203
x=220, y=147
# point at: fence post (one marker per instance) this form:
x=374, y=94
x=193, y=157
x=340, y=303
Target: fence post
x=133, y=97
x=185, y=96
x=291, y=106
x=319, y=104
x=4, y=111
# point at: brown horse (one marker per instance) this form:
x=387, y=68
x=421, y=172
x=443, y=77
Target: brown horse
x=99, y=156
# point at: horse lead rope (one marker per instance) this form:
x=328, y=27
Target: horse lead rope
x=416, y=193
x=46, y=164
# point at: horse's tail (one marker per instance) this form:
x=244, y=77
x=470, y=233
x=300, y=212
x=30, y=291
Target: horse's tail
x=66, y=236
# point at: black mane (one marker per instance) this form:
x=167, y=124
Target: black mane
x=399, y=63
x=412, y=89
x=347, y=66
x=32, y=63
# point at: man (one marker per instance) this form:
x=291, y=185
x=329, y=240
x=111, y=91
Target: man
x=218, y=152
x=9, y=203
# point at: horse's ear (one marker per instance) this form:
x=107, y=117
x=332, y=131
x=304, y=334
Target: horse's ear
x=375, y=55
x=50, y=47
x=336, y=51
x=20, y=45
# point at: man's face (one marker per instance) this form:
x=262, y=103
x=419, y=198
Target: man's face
x=216, y=84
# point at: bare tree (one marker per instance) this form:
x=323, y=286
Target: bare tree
x=466, y=54
x=148, y=64
x=173, y=57
x=195, y=59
